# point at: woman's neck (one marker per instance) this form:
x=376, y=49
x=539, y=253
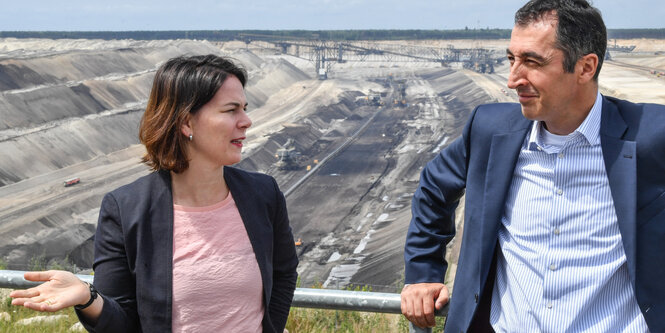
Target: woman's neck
x=197, y=187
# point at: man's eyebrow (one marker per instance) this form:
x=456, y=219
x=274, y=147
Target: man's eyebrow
x=528, y=54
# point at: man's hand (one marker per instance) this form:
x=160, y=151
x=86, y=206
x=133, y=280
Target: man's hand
x=419, y=301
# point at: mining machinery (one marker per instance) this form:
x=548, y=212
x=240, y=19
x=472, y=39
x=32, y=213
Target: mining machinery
x=287, y=156
x=324, y=53
x=400, y=92
x=374, y=98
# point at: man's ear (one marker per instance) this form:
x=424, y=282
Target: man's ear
x=587, y=67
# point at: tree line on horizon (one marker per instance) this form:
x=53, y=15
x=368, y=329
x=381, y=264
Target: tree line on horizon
x=338, y=35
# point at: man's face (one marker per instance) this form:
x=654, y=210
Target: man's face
x=545, y=91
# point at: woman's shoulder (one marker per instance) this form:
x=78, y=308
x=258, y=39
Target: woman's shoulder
x=154, y=181
x=244, y=177
x=252, y=186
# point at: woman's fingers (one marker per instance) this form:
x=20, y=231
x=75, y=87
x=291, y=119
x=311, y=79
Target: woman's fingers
x=39, y=303
x=20, y=297
x=27, y=293
x=44, y=306
x=38, y=276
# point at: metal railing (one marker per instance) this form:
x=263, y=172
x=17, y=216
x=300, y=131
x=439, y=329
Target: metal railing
x=303, y=298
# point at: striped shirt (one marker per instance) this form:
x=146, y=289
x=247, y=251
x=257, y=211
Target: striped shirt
x=562, y=266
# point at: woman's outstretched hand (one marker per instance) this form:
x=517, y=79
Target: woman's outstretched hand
x=61, y=289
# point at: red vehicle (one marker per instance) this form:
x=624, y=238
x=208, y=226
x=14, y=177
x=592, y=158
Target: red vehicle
x=72, y=181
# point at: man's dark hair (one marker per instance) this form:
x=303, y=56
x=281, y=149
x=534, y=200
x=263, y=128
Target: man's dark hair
x=580, y=28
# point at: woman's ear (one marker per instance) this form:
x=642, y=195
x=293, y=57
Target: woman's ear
x=186, y=127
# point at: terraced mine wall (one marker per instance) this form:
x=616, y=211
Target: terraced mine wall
x=62, y=109
x=73, y=110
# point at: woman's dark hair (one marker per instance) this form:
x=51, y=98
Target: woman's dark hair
x=180, y=88
x=580, y=28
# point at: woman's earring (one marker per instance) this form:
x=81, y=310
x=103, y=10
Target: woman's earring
x=191, y=137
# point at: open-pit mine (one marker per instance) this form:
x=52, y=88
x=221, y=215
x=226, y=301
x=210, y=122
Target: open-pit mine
x=345, y=134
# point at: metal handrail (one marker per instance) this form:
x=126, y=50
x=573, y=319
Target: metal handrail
x=330, y=299
x=14, y=280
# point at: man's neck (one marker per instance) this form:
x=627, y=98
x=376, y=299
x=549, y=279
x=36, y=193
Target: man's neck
x=568, y=124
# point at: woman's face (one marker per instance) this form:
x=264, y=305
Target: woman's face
x=218, y=128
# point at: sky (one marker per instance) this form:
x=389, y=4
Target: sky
x=122, y=15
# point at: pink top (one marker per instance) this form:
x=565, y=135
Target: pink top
x=216, y=278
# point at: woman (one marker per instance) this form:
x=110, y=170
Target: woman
x=195, y=245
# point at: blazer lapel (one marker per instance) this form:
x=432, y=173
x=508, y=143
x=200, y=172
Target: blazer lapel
x=504, y=151
x=621, y=167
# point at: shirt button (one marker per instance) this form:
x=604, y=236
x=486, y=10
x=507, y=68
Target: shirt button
x=552, y=267
x=557, y=231
x=560, y=155
x=549, y=305
x=559, y=191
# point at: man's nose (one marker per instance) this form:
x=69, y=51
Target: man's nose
x=516, y=76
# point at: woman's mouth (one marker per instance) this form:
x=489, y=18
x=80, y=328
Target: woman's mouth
x=237, y=142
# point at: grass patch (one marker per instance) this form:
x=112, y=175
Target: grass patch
x=302, y=320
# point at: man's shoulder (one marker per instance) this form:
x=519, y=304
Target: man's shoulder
x=493, y=111
x=639, y=117
x=624, y=105
x=501, y=107
x=498, y=117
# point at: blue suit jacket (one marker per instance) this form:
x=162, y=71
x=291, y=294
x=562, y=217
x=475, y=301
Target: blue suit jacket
x=482, y=161
x=134, y=251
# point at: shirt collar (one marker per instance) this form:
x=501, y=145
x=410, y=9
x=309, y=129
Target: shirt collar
x=589, y=129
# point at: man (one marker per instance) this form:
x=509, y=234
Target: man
x=565, y=205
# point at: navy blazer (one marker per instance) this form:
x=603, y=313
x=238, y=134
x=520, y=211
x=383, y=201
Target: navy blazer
x=134, y=251
x=482, y=162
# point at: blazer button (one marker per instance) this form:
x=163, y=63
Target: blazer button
x=476, y=297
